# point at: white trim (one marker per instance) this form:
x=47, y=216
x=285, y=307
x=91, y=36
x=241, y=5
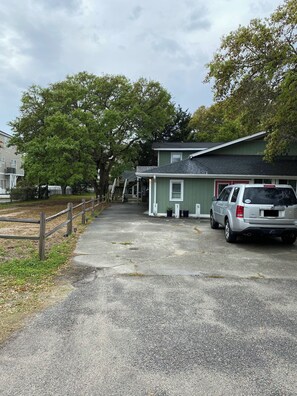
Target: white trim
x=175, y=181
x=155, y=211
x=191, y=215
x=181, y=149
x=150, y=197
x=5, y=134
x=244, y=139
x=213, y=176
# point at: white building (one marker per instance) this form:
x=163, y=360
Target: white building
x=10, y=164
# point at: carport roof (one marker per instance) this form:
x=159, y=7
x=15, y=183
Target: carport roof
x=245, y=165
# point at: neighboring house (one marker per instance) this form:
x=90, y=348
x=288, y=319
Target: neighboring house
x=190, y=183
x=10, y=164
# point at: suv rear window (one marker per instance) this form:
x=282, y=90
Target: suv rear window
x=270, y=196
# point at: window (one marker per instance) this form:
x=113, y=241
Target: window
x=263, y=181
x=269, y=196
x=176, y=157
x=290, y=182
x=235, y=194
x=224, y=196
x=176, y=190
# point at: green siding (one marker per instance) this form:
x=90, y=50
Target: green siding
x=165, y=156
x=163, y=195
x=255, y=147
x=196, y=191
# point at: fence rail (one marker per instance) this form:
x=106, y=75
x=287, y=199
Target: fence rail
x=85, y=206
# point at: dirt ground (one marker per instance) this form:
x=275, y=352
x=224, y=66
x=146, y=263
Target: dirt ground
x=17, y=301
x=9, y=248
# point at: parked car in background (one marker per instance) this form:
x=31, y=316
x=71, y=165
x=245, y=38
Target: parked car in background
x=251, y=209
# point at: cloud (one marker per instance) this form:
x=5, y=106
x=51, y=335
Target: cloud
x=198, y=20
x=42, y=41
x=136, y=13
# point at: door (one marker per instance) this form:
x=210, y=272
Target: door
x=220, y=206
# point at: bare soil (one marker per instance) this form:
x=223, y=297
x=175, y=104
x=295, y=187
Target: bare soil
x=19, y=301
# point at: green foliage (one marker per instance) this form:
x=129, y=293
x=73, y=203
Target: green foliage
x=23, y=192
x=254, y=74
x=76, y=129
x=32, y=270
x=176, y=130
x=216, y=124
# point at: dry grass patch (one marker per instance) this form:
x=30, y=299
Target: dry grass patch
x=27, y=284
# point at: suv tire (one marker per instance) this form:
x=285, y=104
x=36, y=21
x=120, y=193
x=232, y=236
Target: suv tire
x=288, y=239
x=229, y=234
x=213, y=224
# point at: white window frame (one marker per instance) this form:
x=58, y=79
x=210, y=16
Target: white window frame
x=178, y=155
x=181, y=182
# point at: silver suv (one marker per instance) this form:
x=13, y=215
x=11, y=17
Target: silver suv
x=251, y=209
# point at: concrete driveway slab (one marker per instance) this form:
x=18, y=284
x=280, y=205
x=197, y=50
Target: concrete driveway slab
x=127, y=241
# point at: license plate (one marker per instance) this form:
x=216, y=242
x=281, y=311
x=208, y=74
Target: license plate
x=270, y=213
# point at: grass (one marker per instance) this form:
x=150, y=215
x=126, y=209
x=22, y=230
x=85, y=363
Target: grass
x=32, y=269
x=26, y=283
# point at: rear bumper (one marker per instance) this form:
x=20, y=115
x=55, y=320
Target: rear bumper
x=267, y=231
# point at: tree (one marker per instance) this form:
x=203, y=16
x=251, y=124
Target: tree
x=79, y=129
x=176, y=130
x=254, y=71
x=216, y=124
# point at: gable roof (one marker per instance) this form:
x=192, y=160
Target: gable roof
x=255, y=136
x=181, y=146
x=226, y=165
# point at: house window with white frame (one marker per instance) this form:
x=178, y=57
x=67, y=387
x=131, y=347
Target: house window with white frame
x=176, y=190
x=176, y=157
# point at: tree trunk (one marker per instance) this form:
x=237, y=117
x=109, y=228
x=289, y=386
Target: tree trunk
x=96, y=188
x=63, y=188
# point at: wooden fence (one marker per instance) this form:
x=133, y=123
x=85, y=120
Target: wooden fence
x=85, y=207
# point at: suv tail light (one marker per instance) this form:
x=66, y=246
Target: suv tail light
x=239, y=211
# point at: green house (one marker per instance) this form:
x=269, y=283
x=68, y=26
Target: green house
x=189, y=175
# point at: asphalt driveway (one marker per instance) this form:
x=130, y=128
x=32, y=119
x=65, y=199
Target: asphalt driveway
x=163, y=307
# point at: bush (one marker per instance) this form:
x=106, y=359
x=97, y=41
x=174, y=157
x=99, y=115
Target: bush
x=23, y=193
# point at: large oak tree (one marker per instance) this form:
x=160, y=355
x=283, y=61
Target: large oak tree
x=81, y=128
x=255, y=74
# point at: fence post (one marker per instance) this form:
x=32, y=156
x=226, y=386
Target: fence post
x=69, y=218
x=42, y=225
x=83, y=216
x=93, y=207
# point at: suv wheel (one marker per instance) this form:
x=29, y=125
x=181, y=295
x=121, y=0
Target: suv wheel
x=213, y=224
x=289, y=238
x=229, y=234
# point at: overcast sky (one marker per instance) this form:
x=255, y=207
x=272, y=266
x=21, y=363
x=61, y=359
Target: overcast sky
x=170, y=41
